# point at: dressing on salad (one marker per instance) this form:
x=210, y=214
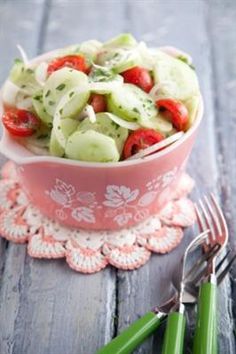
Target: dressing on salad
x=100, y=102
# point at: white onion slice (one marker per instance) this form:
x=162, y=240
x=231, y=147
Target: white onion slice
x=89, y=112
x=174, y=52
x=24, y=103
x=123, y=123
x=23, y=54
x=105, y=87
x=156, y=147
x=10, y=92
x=36, y=149
x=41, y=73
x=161, y=90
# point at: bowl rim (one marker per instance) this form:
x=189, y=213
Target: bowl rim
x=6, y=140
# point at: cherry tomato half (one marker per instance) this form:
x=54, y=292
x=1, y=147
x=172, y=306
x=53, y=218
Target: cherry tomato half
x=175, y=111
x=138, y=76
x=139, y=140
x=20, y=122
x=76, y=62
x=98, y=102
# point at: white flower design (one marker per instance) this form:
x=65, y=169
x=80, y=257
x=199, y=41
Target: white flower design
x=117, y=196
x=83, y=214
x=62, y=193
x=147, y=198
x=168, y=177
x=123, y=219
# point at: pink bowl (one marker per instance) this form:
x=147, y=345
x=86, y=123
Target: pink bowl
x=100, y=195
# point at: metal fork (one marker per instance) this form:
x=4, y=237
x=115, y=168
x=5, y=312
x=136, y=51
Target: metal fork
x=209, y=216
x=139, y=330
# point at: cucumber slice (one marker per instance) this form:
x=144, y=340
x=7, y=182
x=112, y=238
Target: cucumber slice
x=106, y=126
x=184, y=82
x=88, y=48
x=92, y=146
x=37, y=101
x=58, y=84
x=55, y=148
x=192, y=105
x=131, y=103
x=63, y=128
x=122, y=40
x=24, y=78
x=159, y=123
x=119, y=59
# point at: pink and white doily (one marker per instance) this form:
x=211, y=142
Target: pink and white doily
x=90, y=251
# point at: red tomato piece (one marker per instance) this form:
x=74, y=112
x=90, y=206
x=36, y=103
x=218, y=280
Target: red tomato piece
x=20, y=122
x=76, y=62
x=175, y=111
x=141, y=139
x=98, y=102
x=138, y=76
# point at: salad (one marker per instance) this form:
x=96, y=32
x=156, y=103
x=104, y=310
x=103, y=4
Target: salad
x=101, y=102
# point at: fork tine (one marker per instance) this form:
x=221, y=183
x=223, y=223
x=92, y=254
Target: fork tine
x=221, y=262
x=201, y=225
x=205, y=257
x=214, y=217
x=211, y=254
x=222, y=275
x=221, y=217
x=207, y=220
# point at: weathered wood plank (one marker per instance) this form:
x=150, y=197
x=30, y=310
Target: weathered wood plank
x=71, y=312
x=222, y=31
x=175, y=23
x=18, y=19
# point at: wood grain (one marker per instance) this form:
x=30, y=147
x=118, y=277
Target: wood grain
x=45, y=307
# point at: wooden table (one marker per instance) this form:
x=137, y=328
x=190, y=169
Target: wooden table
x=46, y=308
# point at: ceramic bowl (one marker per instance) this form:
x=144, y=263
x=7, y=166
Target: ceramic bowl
x=100, y=195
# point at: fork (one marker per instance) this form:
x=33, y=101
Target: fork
x=210, y=217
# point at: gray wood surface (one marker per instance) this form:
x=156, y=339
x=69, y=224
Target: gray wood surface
x=45, y=307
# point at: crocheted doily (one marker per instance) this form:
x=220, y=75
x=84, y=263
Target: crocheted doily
x=90, y=251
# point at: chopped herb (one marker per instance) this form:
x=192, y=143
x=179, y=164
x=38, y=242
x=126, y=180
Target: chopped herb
x=118, y=135
x=37, y=98
x=59, y=128
x=29, y=71
x=185, y=60
x=50, y=125
x=23, y=86
x=61, y=111
x=51, y=103
x=71, y=94
x=61, y=87
x=47, y=93
x=120, y=107
x=18, y=61
x=136, y=110
x=42, y=136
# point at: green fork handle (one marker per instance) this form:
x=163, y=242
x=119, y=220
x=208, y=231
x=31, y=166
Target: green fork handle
x=205, y=338
x=134, y=335
x=174, y=334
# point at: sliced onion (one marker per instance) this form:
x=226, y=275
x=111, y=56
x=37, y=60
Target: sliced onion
x=88, y=111
x=156, y=147
x=147, y=57
x=23, y=102
x=174, y=52
x=123, y=123
x=23, y=54
x=105, y=87
x=10, y=92
x=161, y=90
x=36, y=149
x=41, y=73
